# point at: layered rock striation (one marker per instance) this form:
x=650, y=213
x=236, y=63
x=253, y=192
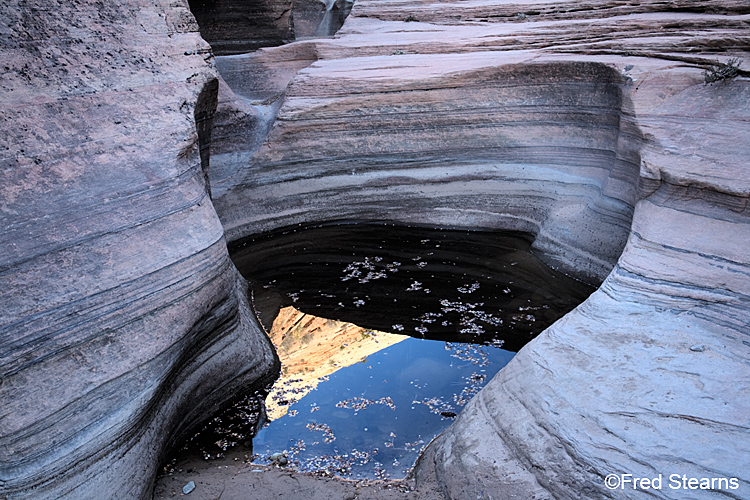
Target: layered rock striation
x=451, y=141
x=235, y=26
x=586, y=124
x=124, y=323
x=589, y=125
x=238, y=27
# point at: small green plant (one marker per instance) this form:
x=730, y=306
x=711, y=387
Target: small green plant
x=722, y=71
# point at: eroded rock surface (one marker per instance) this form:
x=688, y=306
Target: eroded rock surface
x=452, y=141
x=589, y=125
x=584, y=123
x=124, y=322
x=239, y=26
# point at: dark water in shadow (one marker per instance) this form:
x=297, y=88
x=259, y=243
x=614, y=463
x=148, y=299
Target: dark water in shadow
x=458, y=286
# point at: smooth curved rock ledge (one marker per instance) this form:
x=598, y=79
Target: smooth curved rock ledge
x=461, y=141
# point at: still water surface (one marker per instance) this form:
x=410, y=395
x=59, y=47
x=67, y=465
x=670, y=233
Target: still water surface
x=357, y=397
x=372, y=418
x=466, y=286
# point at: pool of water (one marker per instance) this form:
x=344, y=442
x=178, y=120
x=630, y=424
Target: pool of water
x=372, y=418
x=384, y=333
x=458, y=286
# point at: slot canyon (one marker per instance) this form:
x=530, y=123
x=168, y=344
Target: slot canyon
x=144, y=141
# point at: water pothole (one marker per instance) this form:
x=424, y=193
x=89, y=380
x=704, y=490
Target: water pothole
x=384, y=333
x=554, y=160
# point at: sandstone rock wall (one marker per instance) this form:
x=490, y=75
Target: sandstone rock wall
x=237, y=26
x=241, y=26
x=250, y=95
x=588, y=124
x=453, y=141
x=123, y=320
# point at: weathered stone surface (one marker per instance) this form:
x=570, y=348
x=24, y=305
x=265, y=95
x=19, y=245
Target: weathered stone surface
x=526, y=147
x=124, y=322
x=315, y=18
x=248, y=104
x=239, y=26
x=587, y=124
x=614, y=387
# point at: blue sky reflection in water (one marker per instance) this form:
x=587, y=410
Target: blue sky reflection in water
x=376, y=415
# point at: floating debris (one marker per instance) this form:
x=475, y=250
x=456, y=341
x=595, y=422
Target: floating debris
x=358, y=403
x=416, y=285
x=338, y=464
x=372, y=267
x=469, y=288
x=435, y=404
x=328, y=436
x=414, y=444
x=428, y=317
x=354, y=273
x=380, y=472
x=238, y=424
